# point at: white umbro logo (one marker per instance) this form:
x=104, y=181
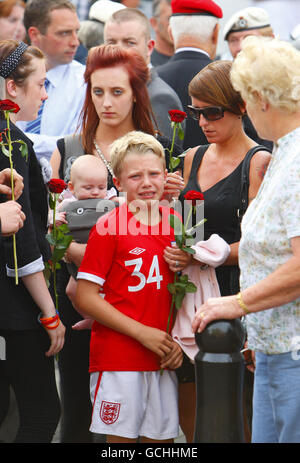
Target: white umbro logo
x=137, y=251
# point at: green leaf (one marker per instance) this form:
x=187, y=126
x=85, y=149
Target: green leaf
x=174, y=162
x=51, y=240
x=182, y=155
x=183, y=278
x=180, y=287
x=171, y=288
x=176, y=223
x=179, y=241
x=64, y=228
x=188, y=250
x=189, y=237
x=58, y=254
x=5, y=151
x=178, y=300
x=23, y=148
x=180, y=132
x=51, y=202
x=190, y=287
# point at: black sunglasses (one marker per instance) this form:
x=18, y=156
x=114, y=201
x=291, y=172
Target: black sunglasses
x=211, y=113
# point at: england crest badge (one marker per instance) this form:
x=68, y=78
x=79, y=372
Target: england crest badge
x=109, y=412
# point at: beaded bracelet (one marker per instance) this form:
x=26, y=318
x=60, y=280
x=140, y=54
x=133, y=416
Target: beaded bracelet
x=241, y=303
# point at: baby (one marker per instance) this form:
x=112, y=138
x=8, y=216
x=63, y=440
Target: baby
x=88, y=180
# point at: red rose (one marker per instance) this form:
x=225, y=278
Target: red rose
x=194, y=196
x=177, y=116
x=8, y=105
x=56, y=185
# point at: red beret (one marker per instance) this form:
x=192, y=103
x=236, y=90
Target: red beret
x=194, y=7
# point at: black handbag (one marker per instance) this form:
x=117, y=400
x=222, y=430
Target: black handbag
x=244, y=202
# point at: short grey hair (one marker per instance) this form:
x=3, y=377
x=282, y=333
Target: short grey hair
x=268, y=68
x=200, y=27
x=90, y=33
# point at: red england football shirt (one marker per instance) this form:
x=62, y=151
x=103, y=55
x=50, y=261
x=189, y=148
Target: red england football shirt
x=125, y=257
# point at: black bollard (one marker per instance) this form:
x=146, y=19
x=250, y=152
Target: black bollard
x=219, y=381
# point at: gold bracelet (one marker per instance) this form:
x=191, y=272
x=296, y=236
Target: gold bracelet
x=241, y=303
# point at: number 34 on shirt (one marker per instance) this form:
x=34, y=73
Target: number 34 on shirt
x=154, y=275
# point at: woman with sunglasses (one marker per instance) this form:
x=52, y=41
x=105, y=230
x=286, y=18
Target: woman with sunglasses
x=215, y=170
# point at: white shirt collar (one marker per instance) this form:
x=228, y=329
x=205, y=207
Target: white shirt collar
x=56, y=74
x=192, y=49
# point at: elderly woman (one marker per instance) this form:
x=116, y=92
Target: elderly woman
x=266, y=72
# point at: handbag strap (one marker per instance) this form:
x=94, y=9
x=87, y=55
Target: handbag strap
x=244, y=201
x=73, y=149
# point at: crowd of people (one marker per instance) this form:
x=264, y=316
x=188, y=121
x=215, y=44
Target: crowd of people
x=92, y=91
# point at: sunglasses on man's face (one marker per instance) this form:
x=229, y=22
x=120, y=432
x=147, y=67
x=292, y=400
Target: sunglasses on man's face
x=210, y=113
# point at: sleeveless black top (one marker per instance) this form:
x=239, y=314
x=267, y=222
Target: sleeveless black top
x=221, y=203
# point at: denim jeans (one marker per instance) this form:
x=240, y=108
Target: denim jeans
x=276, y=399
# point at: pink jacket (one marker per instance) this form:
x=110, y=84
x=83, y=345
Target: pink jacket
x=212, y=252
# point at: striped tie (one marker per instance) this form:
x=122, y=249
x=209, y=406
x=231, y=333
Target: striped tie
x=35, y=126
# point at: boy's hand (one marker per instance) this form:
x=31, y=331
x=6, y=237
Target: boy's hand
x=174, y=359
x=158, y=341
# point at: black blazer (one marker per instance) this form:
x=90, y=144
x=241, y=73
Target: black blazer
x=178, y=73
x=17, y=310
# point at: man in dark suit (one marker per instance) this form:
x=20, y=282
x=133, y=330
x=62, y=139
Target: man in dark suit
x=164, y=47
x=194, y=27
x=130, y=28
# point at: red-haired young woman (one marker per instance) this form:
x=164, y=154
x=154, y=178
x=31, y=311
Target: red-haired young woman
x=116, y=103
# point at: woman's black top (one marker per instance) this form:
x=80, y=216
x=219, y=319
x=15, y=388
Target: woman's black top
x=18, y=311
x=221, y=203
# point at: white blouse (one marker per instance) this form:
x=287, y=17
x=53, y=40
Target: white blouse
x=271, y=220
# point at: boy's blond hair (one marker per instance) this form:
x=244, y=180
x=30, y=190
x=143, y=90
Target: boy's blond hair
x=137, y=142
